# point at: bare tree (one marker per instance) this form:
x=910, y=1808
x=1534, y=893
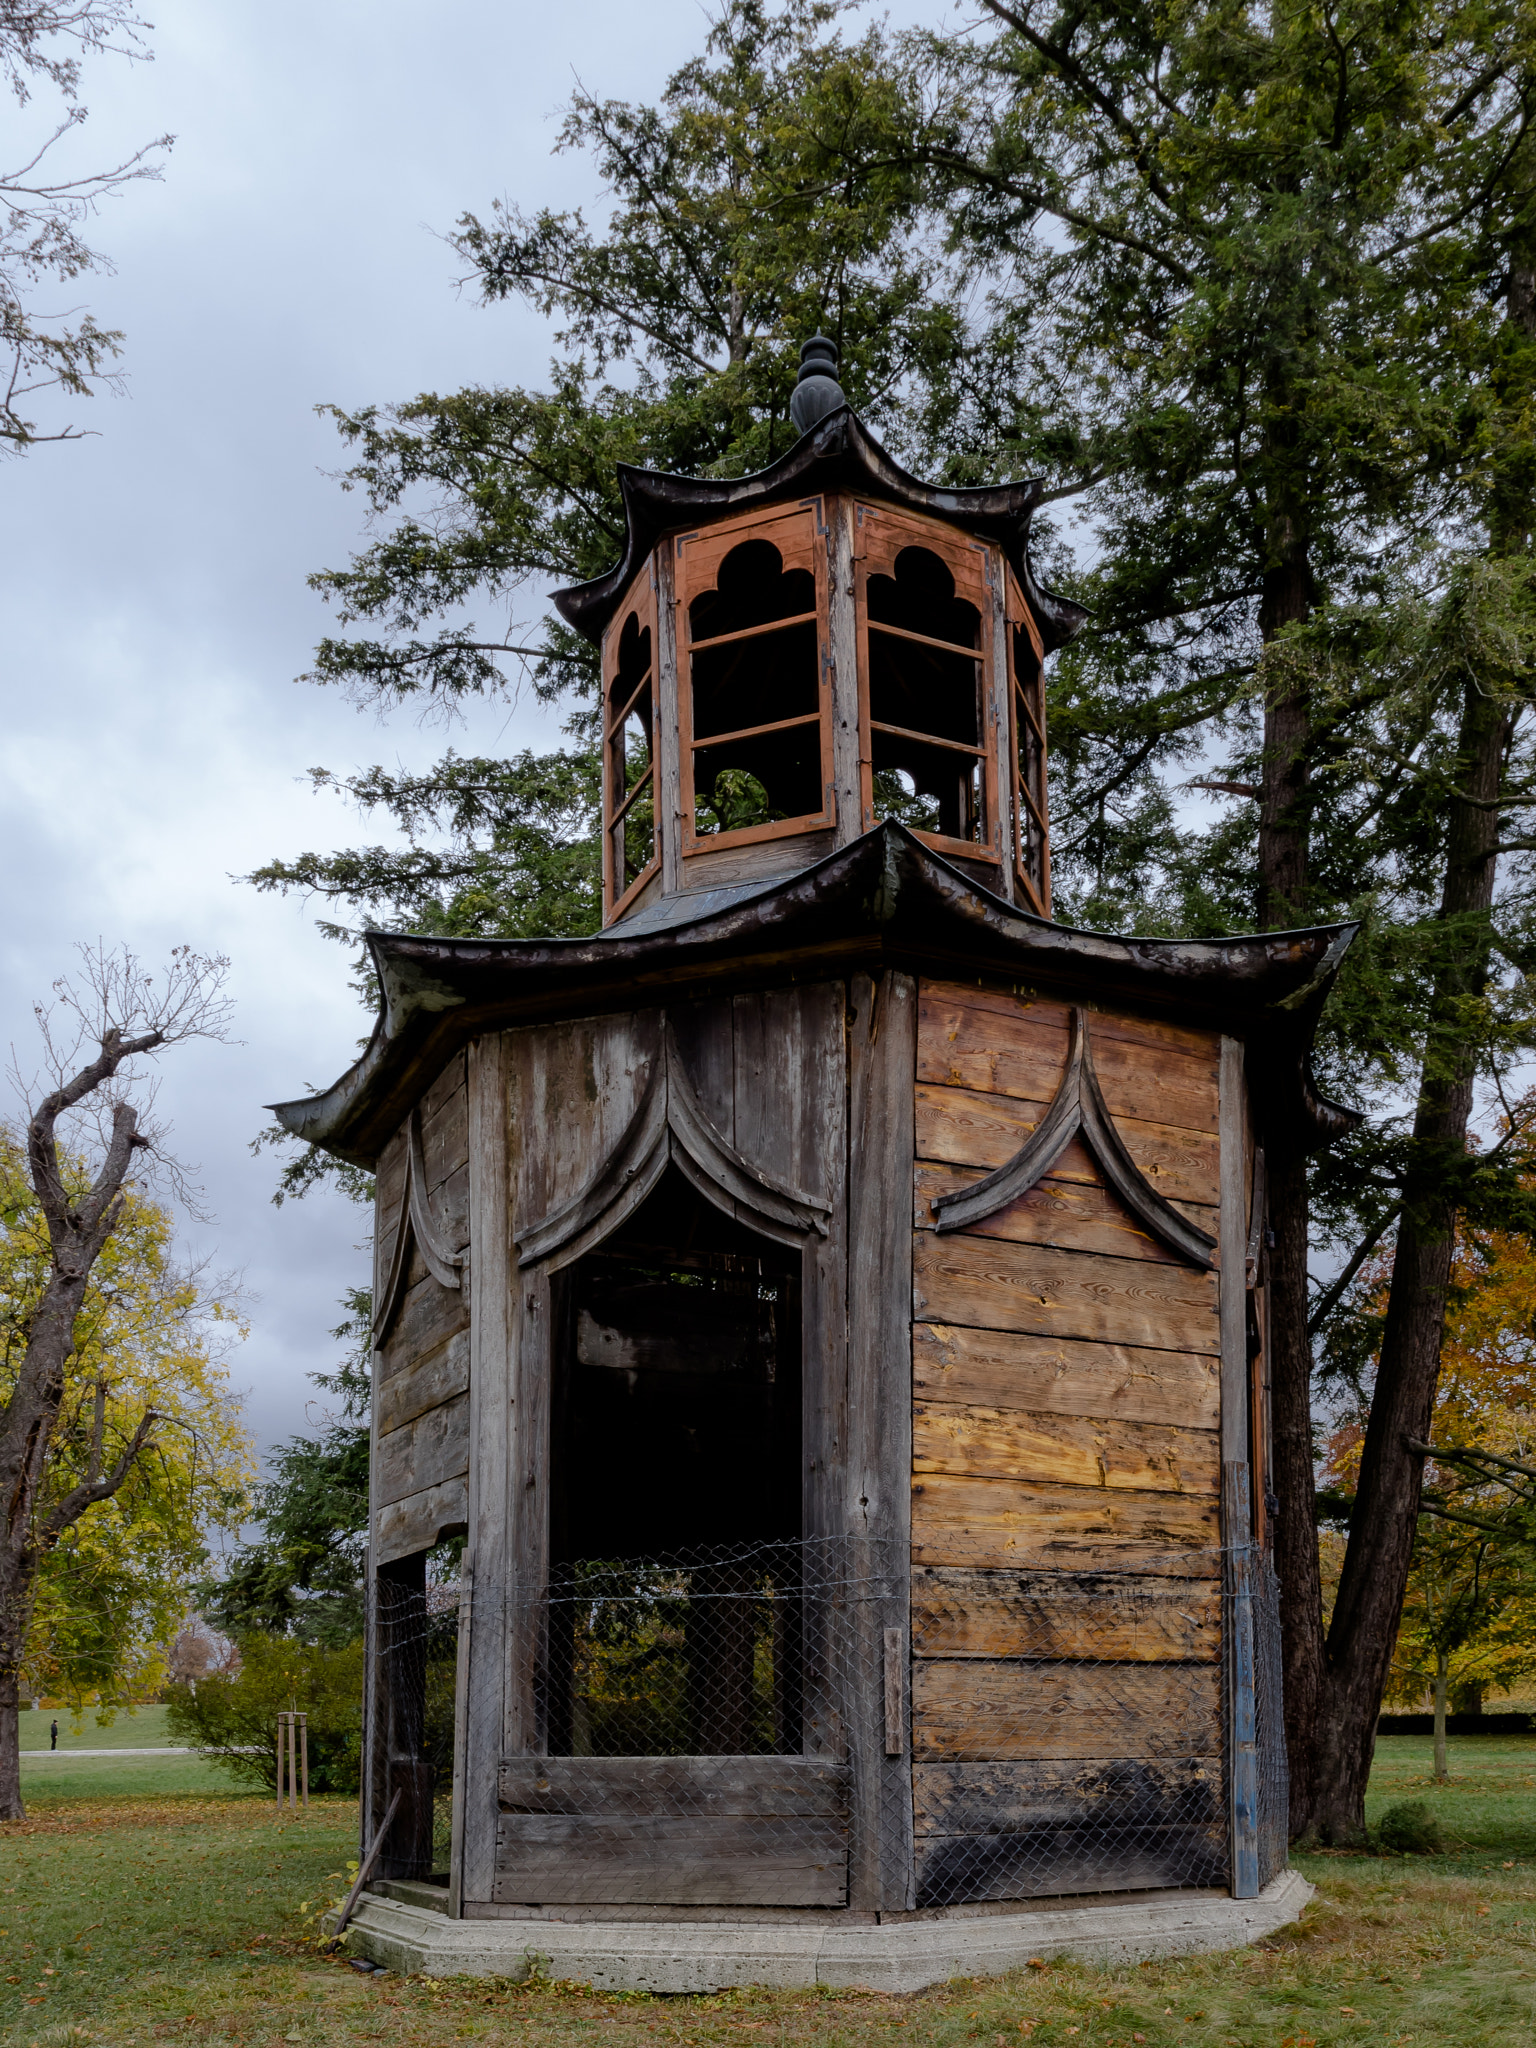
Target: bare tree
x=44, y=210
x=95, y=1097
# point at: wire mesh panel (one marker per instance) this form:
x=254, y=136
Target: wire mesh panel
x=1066, y=1733
x=702, y=1725
x=1274, y=1779
x=692, y=1733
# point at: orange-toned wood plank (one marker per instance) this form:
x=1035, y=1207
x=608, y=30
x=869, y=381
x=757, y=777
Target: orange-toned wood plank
x=981, y=1710
x=995, y=1523
x=1069, y=1450
x=962, y=1047
x=1127, y=1617
x=966, y=1127
x=1132, y=1029
x=1057, y=1376
x=989, y=1284
x=1071, y=1210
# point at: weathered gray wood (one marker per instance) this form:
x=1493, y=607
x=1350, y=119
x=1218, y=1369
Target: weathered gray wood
x=484, y=1648
x=424, y=1384
x=403, y=1527
x=445, y=1136
x=986, y=1709
x=1072, y=1450
x=999, y=734
x=1030, y=1829
x=997, y=1522
x=565, y=1859
x=1057, y=1375
x=1073, y=1859
x=1126, y=1617
x=701, y=1033
x=990, y=1283
x=792, y=1121
x=895, y=1675
x=388, y=1207
x=721, y=867
x=428, y=1316
x=961, y=1799
x=669, y=806
x=573, y=1091
x=449, y=1085
x=1234, y=1245
x=1241, y=1704
x=432, y=1447
x=674, y=1786
x=840, y=671
x=882, y=1052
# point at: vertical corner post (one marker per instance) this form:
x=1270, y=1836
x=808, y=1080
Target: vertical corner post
x=482, y=1648
x=841, y=672
x=882, y=1068
x=999, y=736
x=669, y=767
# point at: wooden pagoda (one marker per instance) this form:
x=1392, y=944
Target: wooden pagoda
x=836, y=1239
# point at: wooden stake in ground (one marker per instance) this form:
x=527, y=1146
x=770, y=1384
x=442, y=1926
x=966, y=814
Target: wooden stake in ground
x=365, y=1868
x=304, y=1754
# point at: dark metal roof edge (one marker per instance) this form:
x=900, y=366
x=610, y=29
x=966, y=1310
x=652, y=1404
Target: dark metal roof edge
x=865, y=890
x=838, y=450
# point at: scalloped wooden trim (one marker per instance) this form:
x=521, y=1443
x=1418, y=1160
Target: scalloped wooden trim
x=670, y=1127
x=1077, y=1109
x=417, y=1226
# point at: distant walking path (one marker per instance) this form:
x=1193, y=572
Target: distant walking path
x=169, y=1750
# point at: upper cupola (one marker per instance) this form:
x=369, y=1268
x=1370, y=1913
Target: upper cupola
x=793, y=657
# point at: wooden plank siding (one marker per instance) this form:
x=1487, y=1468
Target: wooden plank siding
x=421, y=1406
x=1066, y=1609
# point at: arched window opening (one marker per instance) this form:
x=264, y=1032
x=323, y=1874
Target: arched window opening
x=674, y=1597
x=754, y=754
x=1027, y=691
x=629, y=755
x=926, y=704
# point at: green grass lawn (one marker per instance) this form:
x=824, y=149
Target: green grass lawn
x=135, y=1728
x=131, y=1920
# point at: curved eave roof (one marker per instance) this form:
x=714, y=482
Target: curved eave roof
x=838, y=452
x=885, y=900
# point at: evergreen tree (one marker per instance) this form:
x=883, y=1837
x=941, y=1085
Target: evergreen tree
x=1246, y=287
x=303, y=1576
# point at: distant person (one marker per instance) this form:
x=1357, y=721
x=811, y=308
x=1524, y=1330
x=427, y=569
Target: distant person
x=53, y=1736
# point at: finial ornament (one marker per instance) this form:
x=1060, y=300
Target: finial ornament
x=817, y=391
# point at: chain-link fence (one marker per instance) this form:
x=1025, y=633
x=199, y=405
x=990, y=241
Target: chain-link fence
x=739, y=1726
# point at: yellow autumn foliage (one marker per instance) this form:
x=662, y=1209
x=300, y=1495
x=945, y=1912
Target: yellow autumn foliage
x=151, y=1334
x=1471, y=1596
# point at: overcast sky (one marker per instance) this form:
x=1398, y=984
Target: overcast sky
x=153, y=609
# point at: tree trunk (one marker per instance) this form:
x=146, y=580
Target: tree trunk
x=11, y=1806
x=1282, y=901
x=1375, y=1576
x=1442, y=1676
x=1382, y=1527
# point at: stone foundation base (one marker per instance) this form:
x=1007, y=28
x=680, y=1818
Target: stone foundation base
x=894, y=1956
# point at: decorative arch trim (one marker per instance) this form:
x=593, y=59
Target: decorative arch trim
x=1078, y=1109
x=671, y=1127
x=417, y=1226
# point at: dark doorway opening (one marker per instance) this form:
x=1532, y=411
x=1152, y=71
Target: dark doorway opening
x=675, y=1594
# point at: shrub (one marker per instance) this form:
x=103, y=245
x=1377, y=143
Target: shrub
x=1409, y=1829
x=235, y=1719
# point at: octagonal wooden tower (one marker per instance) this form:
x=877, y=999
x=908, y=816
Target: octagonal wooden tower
x=829, y=1302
